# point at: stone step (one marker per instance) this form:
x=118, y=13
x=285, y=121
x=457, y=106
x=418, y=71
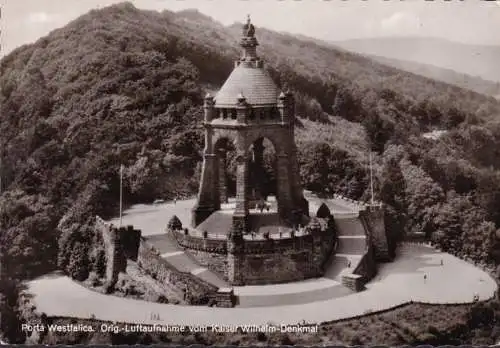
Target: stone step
x=349, y=227
x=182, y=260
x=162, y=243
x=212, y=278
x=339, y=265
x=351, y=245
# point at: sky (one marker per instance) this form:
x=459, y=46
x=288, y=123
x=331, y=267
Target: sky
x=467, y=21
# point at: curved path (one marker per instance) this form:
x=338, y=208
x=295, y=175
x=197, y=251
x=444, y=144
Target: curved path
x=397, y=283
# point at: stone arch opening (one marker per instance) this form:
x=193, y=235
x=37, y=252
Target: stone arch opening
x=224, y=149
x=262, y=170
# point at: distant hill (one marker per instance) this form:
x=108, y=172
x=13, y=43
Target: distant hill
x=450, y=76
x=475, y=60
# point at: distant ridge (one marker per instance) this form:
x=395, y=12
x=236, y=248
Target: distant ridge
x=450, y=76
x=475, y=60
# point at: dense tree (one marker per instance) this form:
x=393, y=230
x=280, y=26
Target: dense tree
x=392, y=194
x=10, y=325
x=379, y=131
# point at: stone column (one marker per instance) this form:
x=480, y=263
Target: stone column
x=298, y=195
x=284, y=196
x=286, y=106
x=235, y=241
x=240, y=216
x=208, y=196
x=236, y=259
x=208, y=107
x=283, y=108
x=258, y=151
x=223, y=194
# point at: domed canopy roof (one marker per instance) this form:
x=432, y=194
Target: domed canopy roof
x=254, y=83
x=249, y=79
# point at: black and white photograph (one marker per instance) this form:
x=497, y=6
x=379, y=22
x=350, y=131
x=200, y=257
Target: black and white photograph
x=250, y=172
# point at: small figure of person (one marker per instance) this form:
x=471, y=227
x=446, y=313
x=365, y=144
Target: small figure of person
x=441, y=262
x=425, y=278
x=175, y=200
x=349, y=264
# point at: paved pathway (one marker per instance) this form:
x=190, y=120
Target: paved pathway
x=153, y=219
x=397, y=283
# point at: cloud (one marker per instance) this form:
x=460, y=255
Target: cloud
x=401, y=23
x=40, y=18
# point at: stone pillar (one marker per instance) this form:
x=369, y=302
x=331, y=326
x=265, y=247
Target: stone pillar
x=223, y=194
x=283, y=194
x=283, y=107
x=208, y=195
x=236, y=260
x=298, y=195
x=240, y=216
x=235, y=242
x=258, y=151
x=208, y=107
x=286, y=107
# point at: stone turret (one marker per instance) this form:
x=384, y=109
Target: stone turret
x=208, y=107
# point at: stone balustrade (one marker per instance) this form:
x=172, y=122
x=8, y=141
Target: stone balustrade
x=359, y=204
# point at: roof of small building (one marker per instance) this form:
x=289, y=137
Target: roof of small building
x=254, y=83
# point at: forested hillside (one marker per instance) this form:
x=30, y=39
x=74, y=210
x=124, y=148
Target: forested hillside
x=125, y=86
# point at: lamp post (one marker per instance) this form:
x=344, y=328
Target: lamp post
x=121, y=193
x=371, y=177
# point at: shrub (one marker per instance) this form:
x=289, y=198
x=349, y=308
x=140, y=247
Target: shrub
x=109, y=287
x=323, y=211
x=79, y=265
x=99, y=265
x=261, y=337
x=174, y=224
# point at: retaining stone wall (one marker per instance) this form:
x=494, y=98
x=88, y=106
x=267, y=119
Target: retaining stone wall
x=367, y=267
x=197, y=290
x=373, y=220
x=265, y=261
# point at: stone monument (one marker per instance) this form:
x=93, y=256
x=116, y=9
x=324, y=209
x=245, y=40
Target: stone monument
x=248, y=109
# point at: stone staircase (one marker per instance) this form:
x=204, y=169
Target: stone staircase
x=350, y=249
x=182, y=260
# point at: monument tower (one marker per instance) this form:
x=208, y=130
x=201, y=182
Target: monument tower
x=248, y=109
